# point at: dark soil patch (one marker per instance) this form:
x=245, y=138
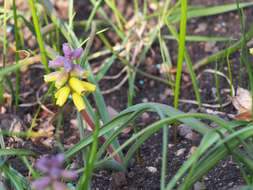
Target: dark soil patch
x=226, y=174
x=146, y=174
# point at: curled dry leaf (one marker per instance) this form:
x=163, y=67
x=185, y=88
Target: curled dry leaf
x=243, y=103
x=46, y=129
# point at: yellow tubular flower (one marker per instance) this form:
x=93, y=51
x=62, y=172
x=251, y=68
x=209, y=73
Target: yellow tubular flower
x=251, y=51
x=88, y=86
x=80, y=86
x=62, y=95
x=57, y=94
x=52, y=76
x=61, y=79
x=83, y=74
x=78, y=101
x=76, y=85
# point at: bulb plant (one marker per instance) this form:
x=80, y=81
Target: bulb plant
x=73, y=81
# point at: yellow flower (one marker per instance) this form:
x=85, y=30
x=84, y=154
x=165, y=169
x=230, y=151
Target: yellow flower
x=251, y=51
x=77, y=74
x=61, y=79
x=88, y=86
x=68, y=83
x=78, y=101
x=62, y=95
x=80, y=86
x=51, y=76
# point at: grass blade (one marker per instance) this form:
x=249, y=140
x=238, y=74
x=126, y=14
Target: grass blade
x=18, y=47
x=181, y=51
x=38, y=34
x=199, y=11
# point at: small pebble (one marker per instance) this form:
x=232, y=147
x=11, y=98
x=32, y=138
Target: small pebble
x=231, y=184
x=152, y=169
x=201, y=28
x=152, y=83
x=180, y=151
x=141, y=82
x=144, y=100
x=145, y=117
x=168, y=92
x=158, y=66
x=130, y=174
x=199, y=186
x=170, y=145
x=211, y=47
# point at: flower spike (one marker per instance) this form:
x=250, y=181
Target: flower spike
x=68, y=78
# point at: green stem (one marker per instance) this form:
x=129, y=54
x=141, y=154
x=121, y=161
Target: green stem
x=221, y=54
x=39, y=35
x=85, y=179
x=181, y=50
x=18, y=47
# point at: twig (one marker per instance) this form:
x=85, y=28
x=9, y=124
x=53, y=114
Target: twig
x=117, y=87
x=115, y=76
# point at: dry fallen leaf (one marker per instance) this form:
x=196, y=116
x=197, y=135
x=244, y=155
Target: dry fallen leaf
x=13, y=124
x=243, y=103
x=46, y=129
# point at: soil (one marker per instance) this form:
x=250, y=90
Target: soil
x=145, y=174
x=138, y=176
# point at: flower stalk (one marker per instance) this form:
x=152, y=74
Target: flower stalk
x=102, y=140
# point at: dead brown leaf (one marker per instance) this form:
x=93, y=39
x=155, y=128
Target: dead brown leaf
x=243, y=103
x=46, y=129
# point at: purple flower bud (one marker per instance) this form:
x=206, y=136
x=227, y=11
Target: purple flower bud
x=68, y=66
x=42, y=164
x=58, y=62
x=41, y=183
x=51, y=167
x=66, y=50
x=59, y=186
x=66, y=60
x=76, y=54
x=78, y=70
x=71, y=175
x=71, y=54
x=55, y=173
x=58, y=159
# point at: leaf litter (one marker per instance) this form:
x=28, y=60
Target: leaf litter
x=242, y=102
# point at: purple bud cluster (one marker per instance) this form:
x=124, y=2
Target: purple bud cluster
x=51, y=168
x=66, y=61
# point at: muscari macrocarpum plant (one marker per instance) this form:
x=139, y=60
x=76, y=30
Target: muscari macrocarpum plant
x=68, y=81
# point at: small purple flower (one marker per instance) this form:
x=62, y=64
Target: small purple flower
x=71, y=54
x=66, y=61
x=51, y=168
